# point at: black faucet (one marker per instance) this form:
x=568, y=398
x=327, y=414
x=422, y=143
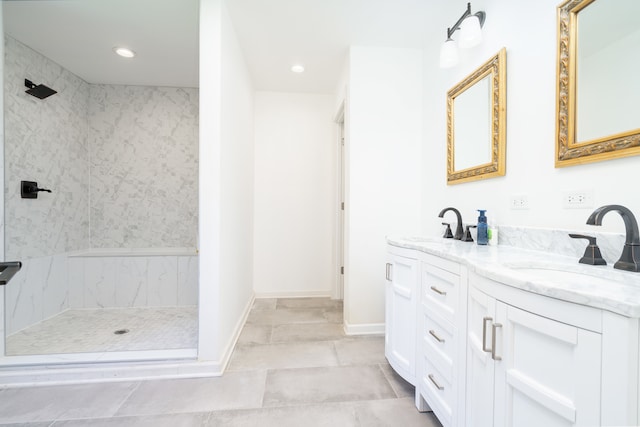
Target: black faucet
x=630, y=258
x=459, y=232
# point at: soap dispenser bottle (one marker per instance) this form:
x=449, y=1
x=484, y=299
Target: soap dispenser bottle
x=483, y=237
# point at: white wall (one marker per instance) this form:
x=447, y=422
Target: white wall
x=384, y=136
x=236, y=237
x=226, y=185
x=295, y=188
x=531, y=97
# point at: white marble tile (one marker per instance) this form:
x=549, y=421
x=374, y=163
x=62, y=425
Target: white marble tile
x=162, y=281
x=131, y=281
x=56, y=286
x=24, y=294
x=100, y=277
x=144, y=166
x=188, y=273
x=45, y=141
x=75, y=268
x=2, y=320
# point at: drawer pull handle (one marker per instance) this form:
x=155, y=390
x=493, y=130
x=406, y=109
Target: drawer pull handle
x=438, y=291
x=493, y=341
x=484, y=334
x=388, y=272
x=433, y=334
x=438, y=386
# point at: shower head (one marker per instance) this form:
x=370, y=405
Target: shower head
x=39, y=91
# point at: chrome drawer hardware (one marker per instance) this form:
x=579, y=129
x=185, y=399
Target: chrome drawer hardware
x=484, y=334
x=433, y=334
x=438, y=386
x=438, y=291
x=493, y=341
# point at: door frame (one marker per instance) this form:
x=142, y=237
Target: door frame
x=340, y=209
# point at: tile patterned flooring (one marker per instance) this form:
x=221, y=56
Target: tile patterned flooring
x=292, y=366
x=92, y=330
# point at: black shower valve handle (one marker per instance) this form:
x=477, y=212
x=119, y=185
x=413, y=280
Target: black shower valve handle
x=36, y=189
x=30, y=189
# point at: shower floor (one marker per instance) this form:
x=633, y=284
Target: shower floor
x=92, y=330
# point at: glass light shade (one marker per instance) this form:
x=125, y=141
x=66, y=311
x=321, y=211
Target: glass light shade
x=448, y=54
x=470, y=32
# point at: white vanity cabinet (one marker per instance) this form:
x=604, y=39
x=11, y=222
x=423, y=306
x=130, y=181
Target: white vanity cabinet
x=401, y=297
x=441, y=337
x=526, y=369
x=488, y=346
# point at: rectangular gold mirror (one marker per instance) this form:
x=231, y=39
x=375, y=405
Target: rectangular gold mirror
x=476, y=123
x=598, y=113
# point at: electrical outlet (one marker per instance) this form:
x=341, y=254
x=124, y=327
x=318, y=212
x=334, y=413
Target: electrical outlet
x=577, y=199
x=520, y=202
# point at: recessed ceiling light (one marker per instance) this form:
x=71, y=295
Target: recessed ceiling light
x=297, y=68
x=124, y=52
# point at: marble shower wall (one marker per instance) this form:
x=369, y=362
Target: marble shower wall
x=45, y=141
x=143, y=144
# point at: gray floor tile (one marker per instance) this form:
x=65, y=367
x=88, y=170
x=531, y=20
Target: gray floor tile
x=231, y=391
x=307, y=332
x=62, y=402
x=325, y=415
x=361, y=351
x=333, y=316
x=392, y=413
x=399, y=385
x=171, y=420
x=264, y=304
x=283, y=355
x=334, y=384
x=309, y=303
x=286, y=315
x=255, y=334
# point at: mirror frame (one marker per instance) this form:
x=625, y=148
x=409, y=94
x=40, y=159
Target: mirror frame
x=569, y=151
x=496, y=67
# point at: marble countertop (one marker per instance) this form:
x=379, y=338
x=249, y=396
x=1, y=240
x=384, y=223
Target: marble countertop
x=543, y=273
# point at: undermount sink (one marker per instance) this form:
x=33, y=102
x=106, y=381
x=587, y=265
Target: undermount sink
x=567, y=273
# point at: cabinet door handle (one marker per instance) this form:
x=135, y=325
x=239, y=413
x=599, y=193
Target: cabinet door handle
x=484, y=334
x=493, y=341
x=388, y=274
x=438, y=291
x=438, y=386
x=433, y=334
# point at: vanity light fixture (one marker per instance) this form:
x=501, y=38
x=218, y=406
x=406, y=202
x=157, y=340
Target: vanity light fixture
x=470, y=35
x=297, y=68
x=124, y=52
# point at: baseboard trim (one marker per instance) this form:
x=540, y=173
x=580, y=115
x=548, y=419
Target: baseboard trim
x=364, y=329
x=226, y=355
x=294, y=294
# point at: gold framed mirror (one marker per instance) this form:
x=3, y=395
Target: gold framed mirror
x=476, y=123
x=598, y=115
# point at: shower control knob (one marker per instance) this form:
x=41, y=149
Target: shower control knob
x=29, y=189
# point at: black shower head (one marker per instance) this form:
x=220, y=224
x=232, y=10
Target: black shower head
x=39, y=91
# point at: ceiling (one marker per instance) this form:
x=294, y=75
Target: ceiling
x=274, y=34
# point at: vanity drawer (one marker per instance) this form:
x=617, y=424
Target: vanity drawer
x=438, y=343
x=439, y=291
x=438, y=392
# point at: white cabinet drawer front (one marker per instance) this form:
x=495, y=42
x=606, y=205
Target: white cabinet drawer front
x=439, y=343
x=441, y=263
x=438, y=392
x=440, y=292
